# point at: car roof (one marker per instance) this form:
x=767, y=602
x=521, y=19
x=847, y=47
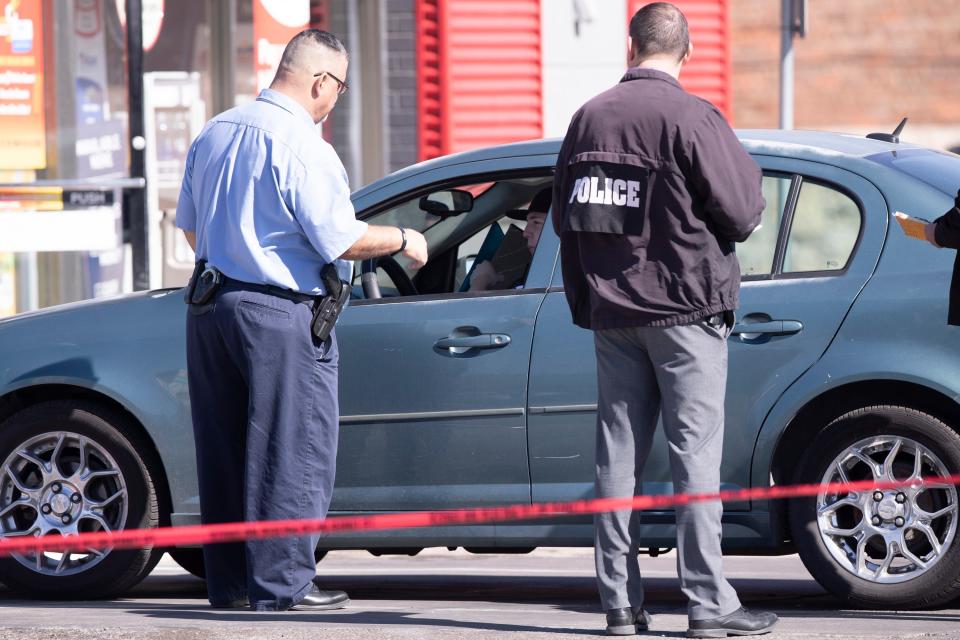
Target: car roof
x=813, y=145
x=783, y=142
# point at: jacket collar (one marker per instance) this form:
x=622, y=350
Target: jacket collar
x=287, y=104
x=643, y=73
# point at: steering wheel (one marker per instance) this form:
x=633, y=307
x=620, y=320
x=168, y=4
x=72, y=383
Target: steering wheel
x=371, y=286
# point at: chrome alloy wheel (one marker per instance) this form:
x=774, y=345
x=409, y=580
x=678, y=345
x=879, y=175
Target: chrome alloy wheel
x=888, y=536
x=61, y=483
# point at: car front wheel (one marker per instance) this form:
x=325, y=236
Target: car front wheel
x=882, y=548
x=68, y=468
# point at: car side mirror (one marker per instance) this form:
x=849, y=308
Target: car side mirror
x=447, y=203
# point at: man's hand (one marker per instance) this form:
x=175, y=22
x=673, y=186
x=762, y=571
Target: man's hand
x=484, y=277
x=930, y=232
x=416, y=248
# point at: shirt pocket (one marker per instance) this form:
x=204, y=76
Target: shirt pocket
x=607, y=196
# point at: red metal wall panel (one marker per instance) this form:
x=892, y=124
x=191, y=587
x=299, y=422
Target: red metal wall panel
x=479, y=73
x=708, y=72
x=429, y=99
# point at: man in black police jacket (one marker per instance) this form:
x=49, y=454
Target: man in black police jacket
x=651, y=193
x=945, y=232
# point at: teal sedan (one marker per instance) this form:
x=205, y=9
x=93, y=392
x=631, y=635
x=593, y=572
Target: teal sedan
x=842, y=367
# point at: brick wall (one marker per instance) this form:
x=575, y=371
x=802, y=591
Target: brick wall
x=863, y=64
x=401, y=84
x=339, y=120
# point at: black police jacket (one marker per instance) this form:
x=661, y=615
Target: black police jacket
x=947, y=234
x=652, y=190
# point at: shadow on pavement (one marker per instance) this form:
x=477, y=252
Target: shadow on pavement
x=789, y=598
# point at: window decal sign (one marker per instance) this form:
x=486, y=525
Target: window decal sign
x=22, y=125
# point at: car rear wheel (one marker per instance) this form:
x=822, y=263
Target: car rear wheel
x=893, y=548
x=69, y=468
x=190, y=560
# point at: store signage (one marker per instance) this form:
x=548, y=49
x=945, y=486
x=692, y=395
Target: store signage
x=275, y=22
x=153, y=11
x=100, y=152
x=22, y=126
x=55, y=219
x=88, y=229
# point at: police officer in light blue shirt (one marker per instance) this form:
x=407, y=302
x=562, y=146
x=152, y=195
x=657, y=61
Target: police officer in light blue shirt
x=265, y=202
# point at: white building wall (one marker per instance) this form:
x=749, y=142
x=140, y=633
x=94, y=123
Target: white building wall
x=584, y=53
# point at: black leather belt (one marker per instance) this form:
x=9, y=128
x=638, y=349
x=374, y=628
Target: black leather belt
x=270, y=289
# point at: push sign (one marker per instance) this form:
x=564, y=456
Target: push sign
x=85, y=198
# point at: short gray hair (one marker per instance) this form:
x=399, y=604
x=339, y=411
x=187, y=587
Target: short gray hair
x=293, y=53
x=660, y=28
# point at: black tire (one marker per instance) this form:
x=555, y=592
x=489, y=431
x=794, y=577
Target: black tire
x=938, y=584
x=113, y=432
x=191, y=560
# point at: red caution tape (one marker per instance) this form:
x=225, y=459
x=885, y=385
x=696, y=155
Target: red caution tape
x=238, y=531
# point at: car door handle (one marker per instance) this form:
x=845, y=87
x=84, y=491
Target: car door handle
x=772, y=327
x=482, y=341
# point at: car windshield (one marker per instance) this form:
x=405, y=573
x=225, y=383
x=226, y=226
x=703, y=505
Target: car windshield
x=939, y=169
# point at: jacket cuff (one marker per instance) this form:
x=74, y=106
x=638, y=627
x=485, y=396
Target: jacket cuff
x=939, y=230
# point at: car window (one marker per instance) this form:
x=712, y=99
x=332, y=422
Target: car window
x=511, y=255
x=493, y=231
x=756, y=254
x=824, y=231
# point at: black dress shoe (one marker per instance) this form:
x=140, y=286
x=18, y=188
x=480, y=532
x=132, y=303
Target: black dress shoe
x=739, y=623
x=627, y=622
x=317, y=600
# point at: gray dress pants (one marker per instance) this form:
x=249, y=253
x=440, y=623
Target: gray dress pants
x=679, y=373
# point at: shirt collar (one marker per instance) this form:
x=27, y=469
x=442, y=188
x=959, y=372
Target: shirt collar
x=286, y=103
x=644, y=73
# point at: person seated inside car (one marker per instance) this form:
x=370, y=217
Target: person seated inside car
x=507, y=267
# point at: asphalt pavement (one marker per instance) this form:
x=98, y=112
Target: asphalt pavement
x=550, y=593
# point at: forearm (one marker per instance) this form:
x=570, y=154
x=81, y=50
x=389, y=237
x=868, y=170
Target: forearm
x=377, y=241
x=191, y=239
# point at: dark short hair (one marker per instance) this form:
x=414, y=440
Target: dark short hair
x=660, y=28
x=310, y=36
x=541, y=202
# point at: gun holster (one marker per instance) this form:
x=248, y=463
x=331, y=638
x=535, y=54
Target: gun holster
x=204, y=283
x=327, y=308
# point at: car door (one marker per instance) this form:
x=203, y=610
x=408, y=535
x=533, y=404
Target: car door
x=433, y=386
x=821, y=237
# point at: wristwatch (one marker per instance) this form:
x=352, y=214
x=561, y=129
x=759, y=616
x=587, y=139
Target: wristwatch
x=403, y=236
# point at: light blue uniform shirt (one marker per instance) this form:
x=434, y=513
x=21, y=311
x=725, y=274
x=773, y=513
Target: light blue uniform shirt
x=268, y=197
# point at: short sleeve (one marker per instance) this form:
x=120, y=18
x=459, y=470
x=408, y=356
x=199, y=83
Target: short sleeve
x=186, y=209
x=320, y=199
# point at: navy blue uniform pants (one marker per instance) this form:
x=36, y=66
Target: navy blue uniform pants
x=263, y=395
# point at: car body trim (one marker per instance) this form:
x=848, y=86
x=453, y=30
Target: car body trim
x=566, y=408
x=450, y=295
x=431, y=415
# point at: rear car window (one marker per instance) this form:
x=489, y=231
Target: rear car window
x=824, y=232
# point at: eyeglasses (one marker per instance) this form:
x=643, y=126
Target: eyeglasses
x=341, y=85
